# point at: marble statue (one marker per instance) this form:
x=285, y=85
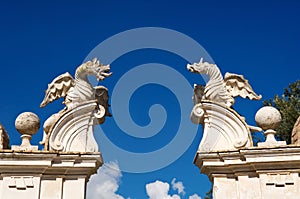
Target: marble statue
x=71, y=129
x=218, y=89
x=224, y=128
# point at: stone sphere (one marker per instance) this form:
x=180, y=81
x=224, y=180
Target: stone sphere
x=27, y=123
x=268, y=117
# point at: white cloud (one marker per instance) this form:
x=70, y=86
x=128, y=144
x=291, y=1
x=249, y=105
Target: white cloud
x=105, y=183
x=177, y=186
x=195, y=196
x=159, y=190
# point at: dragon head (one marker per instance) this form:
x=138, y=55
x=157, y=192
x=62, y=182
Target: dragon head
x=94, y=67
x=201, y=67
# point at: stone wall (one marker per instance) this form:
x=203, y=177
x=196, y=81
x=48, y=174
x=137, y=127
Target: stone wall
x=46, y=175
x=253, y=173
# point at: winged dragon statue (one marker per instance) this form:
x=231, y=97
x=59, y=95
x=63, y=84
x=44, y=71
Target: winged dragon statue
x=224, y=128
x=77, y=91
x=219, y=89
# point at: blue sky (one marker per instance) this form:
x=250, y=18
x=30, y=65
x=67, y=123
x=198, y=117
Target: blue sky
x=41, y=40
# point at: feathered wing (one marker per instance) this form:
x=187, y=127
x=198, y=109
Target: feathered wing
x=237, y=85
x=58, y=88
x=101, y=95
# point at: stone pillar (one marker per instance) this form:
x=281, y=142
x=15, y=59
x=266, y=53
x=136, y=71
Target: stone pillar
x=253, y=173
x=270, y=170
x=46, y=175
x=70, y=154
x=26, y=172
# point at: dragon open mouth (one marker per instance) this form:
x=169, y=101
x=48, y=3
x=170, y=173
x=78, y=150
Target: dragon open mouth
x=190, y=68
x=103, y=72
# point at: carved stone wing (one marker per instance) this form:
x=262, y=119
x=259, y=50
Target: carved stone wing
x=101, y=95
x=58, y=88
x=237, y=85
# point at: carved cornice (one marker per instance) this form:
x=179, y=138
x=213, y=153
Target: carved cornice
x=249, y=161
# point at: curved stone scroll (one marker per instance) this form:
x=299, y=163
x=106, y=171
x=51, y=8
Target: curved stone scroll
x=223, y=128
x=73, y=131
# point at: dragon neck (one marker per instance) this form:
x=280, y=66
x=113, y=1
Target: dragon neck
x=215, y=80
x=81, y=76
x=82, y=84
x=215, y=75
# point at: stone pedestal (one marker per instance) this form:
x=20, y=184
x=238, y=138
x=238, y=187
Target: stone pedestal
x=253, y=173
x=223, y=127
x=46, y=175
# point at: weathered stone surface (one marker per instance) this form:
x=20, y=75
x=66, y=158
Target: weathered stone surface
x=224, y=128
x=268, y=117
x=296, y=133
x=218, y=89
x=253, y=173
x=46, y=175
x=27, y=123
x=71, y=129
